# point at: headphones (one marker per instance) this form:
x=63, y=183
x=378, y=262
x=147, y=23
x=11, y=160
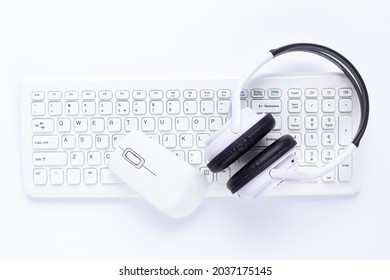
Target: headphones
x=277, y=162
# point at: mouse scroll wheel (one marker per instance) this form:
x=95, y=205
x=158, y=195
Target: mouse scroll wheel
x=133, y=158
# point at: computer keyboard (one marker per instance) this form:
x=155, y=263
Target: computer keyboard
x=70, y=126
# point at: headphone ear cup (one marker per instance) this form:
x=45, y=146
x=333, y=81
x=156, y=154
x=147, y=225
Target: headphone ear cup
x=261, y=162
x=242, y=144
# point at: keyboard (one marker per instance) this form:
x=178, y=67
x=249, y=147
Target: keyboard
x=71, y=125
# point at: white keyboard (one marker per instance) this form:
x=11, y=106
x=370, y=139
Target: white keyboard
x=69, y=127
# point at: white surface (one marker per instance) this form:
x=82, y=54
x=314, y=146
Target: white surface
x=40, y=37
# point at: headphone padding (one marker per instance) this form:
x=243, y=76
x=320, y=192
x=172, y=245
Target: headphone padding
x=260, y=162
x=242, y=144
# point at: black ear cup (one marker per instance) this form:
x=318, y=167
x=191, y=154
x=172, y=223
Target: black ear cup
x=260, y=162
x=242, y=144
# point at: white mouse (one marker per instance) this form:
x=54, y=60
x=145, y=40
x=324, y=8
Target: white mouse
x=166, y=181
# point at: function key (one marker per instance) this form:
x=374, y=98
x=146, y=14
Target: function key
x=37, y=95
x=274, y=93
x=244, y=93
x=345, y=92
x=88, y=95
x=328, y=92
x=122, y=94
x=294, y=92
x=173, y=94
x=207, y=93
x=139, y=94
x=257, y=93
x=223, y=93
x=54, y=95
x=190, y=94
x=311, y=92
x=156, y=94
x=71, y=95
x=105, y=94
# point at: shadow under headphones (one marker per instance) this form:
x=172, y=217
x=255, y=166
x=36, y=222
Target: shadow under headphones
x=276, y=163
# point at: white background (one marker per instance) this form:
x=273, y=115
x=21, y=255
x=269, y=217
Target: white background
x=46, y=37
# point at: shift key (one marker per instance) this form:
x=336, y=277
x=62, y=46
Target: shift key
x=50, y=159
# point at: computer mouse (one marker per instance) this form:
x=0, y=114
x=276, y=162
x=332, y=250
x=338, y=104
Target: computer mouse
x=166, y=181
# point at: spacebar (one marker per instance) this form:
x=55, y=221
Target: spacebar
x=108, y=177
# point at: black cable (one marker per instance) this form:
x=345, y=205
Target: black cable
x=349, y=70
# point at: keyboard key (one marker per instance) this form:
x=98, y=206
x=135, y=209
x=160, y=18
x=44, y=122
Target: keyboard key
x=244, y=94
x=186, y=140
x=278, y=122
x=56, y=176
x=42, y=125
x=88, y=95
x=198, y=123
x=73, y=176
x=165, y=124
x=80, y=125
x=195, y=157
x=201, y=139
x=72, y=108
x=328, y=92
x=206, y=172
x=46, y=142
x=139, y=107
x=328, y=139
x=105, y=95
x=156, y=107
x=90, y=176
x=190, y=94
x=97, y=124
x=68, y=141
x=327, y=155
x=107, y=177
x=224, y=93
x=311, y=139
x=330, y=177
x=311, y=122
x=102, y=141
x=345, y=170
x=274, y=93
x=40, y=176
x=257, y=93
x=294, y=106
x=294, y=122
x=294, y=93
x=297, y=137
x=71, y=95
x=207, y=107
x=345, y=105
x=156, y=94
x=114, y=124
x=154, y=137
x=190, y=107
x=269, y=139
x=328, y=122
x=37, y=95
x=77, y=158
x=122, y=107
x=311, y=92
x=116, y=138
x=122, y=94
x=215, y=123
x=105, y=108
x=169, y=140
x=63, y=125
x=54, y=95
x=328, y=105
x=311, y=156
x=38, y=109
x=180, y=154
x=173, y=94
x=207, y=93
x=345, y=92
x=147, y=124
x=267, y=106
x=181, y=124
x=140, y=94
x=50, y=159
x=173, y=107
x=345, y=130
x=131, y=124
x=223, y=106
x=89, y=108
x=85, y=141
x=93, y=158
x=311, y=105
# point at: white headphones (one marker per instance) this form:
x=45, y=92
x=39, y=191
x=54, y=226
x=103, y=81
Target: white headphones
x=277, y=162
